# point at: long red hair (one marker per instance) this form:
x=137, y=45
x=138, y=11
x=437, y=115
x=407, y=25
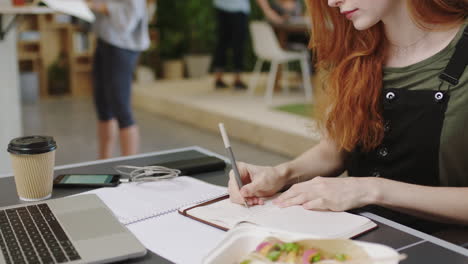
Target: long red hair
x=351, y=61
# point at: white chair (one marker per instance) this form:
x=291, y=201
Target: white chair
x=267, y=48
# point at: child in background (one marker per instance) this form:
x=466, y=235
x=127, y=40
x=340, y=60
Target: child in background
x=122, y=30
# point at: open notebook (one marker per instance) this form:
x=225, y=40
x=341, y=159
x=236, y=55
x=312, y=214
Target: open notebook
x=135, y=202
x=208, y=203
x=223, y=214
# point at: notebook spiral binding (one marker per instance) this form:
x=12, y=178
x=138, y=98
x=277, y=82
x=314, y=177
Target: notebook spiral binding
x=141, y=219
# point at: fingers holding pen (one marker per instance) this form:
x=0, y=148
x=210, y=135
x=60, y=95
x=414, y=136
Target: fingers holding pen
x=254, y=201
x=234, y=192
x=238, y=195
x=246, y=193
x=244, y=172
x=258, y=182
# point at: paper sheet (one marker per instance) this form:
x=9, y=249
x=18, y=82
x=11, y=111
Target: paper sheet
x=177, y=238
x=77, y=8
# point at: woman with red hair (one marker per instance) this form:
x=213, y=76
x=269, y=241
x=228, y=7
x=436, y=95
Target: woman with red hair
x=394, y=117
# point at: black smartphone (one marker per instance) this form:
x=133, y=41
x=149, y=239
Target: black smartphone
x=87, y=180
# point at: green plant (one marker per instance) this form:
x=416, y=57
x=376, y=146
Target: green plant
x=201, y=26
x=149, y=58
x=190, y=26
x=171, y=22
x=306, y=110
x=58, y=76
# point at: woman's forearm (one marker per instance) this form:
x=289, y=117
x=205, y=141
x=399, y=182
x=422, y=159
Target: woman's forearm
x=446, y=204
x=324, y=159
x=269, y=12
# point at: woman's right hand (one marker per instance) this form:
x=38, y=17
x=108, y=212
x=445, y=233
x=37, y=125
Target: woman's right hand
x=258, y=181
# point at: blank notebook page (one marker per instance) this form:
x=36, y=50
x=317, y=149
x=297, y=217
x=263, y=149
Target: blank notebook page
x=294, y=219
x=133, y=202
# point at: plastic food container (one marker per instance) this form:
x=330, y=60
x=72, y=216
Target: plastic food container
x=245, y=237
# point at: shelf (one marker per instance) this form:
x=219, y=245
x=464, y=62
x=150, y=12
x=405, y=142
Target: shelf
x=83, y=55
x=28, y=42
x=28, y=56
x=15, y=12
x=83, y=68
x=61, y=26
x=57, y=44
x=82, y=62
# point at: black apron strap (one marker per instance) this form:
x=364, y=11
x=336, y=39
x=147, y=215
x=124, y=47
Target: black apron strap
x=458, y=62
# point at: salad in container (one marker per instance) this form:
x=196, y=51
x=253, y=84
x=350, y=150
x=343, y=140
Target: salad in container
x=251, y=244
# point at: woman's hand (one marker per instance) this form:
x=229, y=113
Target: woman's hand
x=333, y=194
x=258, y=182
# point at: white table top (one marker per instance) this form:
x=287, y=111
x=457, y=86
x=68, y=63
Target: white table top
x=24, y=10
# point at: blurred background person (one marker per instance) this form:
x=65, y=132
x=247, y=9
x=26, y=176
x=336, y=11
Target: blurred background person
x=232, y=19
x=293, y=13
x=289, y=9
x=121, y=27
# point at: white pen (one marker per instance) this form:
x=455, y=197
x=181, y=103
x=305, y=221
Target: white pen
x=227, y=145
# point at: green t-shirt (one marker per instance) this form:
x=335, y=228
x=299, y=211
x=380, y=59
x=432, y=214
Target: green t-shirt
x=424, y=75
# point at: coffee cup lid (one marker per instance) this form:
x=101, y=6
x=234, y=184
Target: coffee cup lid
x=32, y=145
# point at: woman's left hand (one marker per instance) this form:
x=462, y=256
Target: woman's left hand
x=334, y=194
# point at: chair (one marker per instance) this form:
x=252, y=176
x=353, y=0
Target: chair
x=267, y=48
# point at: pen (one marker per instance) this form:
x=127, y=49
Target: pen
x=227, y=145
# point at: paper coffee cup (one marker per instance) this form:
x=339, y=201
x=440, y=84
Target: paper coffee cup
x=33, y=160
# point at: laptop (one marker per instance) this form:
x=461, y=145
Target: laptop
x=77, y=229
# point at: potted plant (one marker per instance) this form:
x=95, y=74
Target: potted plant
x=172, y=45
x=148, y=67
x=58, y=75
x=200, y=23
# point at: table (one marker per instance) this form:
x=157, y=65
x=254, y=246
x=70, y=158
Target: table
x=17, y=11
x=420, y=247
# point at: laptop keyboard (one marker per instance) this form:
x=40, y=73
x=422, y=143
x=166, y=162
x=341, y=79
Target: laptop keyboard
x=32, y=234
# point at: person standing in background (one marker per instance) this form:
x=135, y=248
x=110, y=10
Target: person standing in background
x=232, y=17
x=288, y=8
x=121, y=27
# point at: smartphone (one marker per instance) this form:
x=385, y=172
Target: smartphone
x=87, y=180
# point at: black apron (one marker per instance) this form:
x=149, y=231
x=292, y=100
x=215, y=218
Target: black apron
x=409, y=152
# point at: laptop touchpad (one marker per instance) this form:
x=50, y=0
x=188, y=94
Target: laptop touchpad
x=90, y=223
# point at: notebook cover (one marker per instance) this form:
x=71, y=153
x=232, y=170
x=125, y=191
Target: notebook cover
x=184, y=212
